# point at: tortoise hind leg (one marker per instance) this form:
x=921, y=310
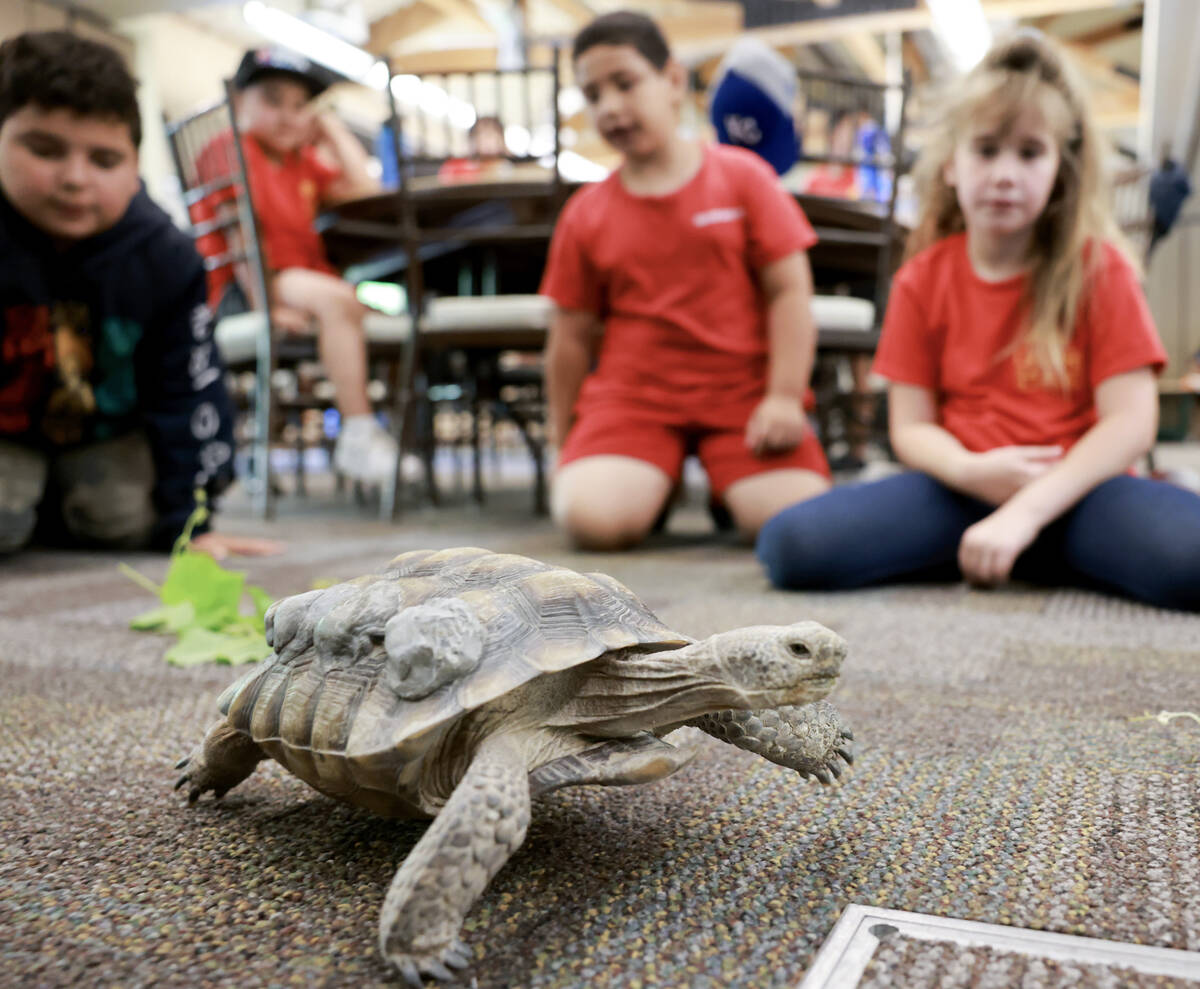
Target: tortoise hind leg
x=476, y=832
x=220, y=762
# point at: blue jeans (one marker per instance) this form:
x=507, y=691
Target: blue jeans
x=1132, y=536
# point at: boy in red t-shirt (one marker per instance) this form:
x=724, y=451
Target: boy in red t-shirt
x=684, y=319
x=298, y=161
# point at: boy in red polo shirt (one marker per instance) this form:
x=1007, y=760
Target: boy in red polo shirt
x=297, y=162
x=684, y=318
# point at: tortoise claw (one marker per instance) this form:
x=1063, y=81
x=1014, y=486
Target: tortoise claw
x=846, y=754
x=412, y=974
x=847, y=734
x=823, y=775
x=456, y=959
x=183, y=762
x=179, y=782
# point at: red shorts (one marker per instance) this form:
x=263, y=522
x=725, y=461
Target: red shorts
x=629, y=431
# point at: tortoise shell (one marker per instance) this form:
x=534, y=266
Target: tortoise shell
x=368, y=670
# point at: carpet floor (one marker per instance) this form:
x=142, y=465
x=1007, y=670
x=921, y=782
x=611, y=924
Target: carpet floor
x=1003, y=775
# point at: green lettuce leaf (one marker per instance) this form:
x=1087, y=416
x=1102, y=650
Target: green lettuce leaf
x=201, y=604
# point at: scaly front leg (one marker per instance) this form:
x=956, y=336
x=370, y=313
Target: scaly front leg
x=811, y=739
x=480, y=827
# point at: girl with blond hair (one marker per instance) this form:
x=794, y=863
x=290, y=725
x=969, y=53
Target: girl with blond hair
x=1021, y=359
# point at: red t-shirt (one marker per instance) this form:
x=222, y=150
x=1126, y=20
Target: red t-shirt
x=287, y=195
x=674, y=279
x=948, y=330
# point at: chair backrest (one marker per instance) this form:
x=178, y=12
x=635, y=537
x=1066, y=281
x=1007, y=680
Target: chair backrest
x=209, y=161
x=207, y=151
x=444, y=194
x=1131, y=205
x=852, y=144
x=438, y=118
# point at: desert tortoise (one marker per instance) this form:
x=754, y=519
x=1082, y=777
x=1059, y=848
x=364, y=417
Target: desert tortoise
x=461, y=683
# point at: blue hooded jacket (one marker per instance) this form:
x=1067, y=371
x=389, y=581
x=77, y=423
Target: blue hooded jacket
x=109, y=335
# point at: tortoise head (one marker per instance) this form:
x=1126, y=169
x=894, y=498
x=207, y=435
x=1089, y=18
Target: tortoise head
x=749, y=668
x=772, y=664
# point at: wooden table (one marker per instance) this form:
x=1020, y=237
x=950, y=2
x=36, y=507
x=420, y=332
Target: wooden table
x=366, y=233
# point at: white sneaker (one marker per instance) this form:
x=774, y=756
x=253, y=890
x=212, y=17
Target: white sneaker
x=365, y=451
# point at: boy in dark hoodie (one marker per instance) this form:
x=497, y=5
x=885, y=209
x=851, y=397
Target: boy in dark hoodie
x=113, y=409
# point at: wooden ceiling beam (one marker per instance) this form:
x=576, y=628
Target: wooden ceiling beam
x=811, y=32
x=462, y=10
x=455, y=60
x=1117, y=110
x=702, y=21
x=1101, y=68
x=393, y=29
x=837, y=27
x=476, y=59
x=578, y=11
x=914, y=60
x=1037, y=8
x=1111, y=32
x=868, y=55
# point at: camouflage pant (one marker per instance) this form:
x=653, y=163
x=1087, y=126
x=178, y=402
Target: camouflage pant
x=96, y=495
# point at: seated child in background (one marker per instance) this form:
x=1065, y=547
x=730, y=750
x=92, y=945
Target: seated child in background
x=112, y=398
x=683, y=276
x=488, y=155
x=833, y=179
x=299, y=160
x=1021, y=356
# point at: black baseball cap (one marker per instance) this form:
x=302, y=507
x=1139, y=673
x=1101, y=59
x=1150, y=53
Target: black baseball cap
x=258, y=63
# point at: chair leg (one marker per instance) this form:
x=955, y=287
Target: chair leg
x=541, y=503
x=263, y=495
x=476, y=407
x=427, y=444
x=402, y=391
x=301, y=485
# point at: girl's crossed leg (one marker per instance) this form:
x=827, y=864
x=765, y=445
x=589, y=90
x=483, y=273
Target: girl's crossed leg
x=1137, y=537
x=1140, y=538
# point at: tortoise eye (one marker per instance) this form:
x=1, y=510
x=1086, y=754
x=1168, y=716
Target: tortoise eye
x=798, y=649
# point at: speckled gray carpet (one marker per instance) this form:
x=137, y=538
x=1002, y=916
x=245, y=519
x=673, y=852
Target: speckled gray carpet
x=1000, y=778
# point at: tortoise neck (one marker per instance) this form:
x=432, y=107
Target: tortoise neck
x=630, y=690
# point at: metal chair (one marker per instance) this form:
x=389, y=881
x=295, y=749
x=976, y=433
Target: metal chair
x=207, y=150
x=478, y=322
x=862, y=157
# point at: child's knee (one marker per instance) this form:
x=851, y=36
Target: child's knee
x=16, y=528
x=343, y=297
x=1172, y=580
x=594, y=525
x=792, y=549
x=327, y=297
x=22, y=481
x=108, y=490
x=120, y=516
